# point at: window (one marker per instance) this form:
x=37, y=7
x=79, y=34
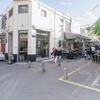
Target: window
x=10, y=12
x=61, y=20
x=43, y=13
x=23, y=8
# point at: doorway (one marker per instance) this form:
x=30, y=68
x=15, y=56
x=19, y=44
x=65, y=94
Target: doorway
x=10, y=43
x=23, y=46
x=42, y=44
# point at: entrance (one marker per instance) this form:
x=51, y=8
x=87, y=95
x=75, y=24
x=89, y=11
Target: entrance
x=42, y=44
x=23, y=46
x=2, y=43
x=10, y=43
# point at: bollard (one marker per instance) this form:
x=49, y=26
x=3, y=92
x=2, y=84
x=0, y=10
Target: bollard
x=59, y=64
x=59, y=61
x=65, y=73
x=9, y=60
x=29, y=64
x=43, y=67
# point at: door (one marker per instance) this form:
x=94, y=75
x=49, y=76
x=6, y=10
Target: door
x=42, y=44
x=10, y=43
x=23, y=46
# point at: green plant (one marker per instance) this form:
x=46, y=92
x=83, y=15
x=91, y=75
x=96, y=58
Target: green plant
x=95, y=28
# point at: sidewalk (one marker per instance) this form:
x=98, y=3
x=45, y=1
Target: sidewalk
x=18, y=82
x=86, y=75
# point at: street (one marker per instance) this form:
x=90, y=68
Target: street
x=18, y=82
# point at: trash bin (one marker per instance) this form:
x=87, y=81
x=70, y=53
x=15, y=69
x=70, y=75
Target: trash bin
x=95, y=59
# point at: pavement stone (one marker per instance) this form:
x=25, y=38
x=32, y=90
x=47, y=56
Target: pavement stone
x=18, y=82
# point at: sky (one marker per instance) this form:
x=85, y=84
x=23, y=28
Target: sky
x=81, y=11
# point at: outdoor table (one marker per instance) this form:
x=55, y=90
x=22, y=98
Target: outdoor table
x=96, y=58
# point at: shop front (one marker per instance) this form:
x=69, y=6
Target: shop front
x=2, y=43
x=42, y=44
x=23, y=46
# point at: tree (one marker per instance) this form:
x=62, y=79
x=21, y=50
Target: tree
x=96, y=28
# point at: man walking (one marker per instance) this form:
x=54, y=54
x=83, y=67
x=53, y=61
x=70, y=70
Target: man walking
x=59, y=53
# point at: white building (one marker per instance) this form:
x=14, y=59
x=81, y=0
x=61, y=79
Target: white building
x=75, y=27
x=33, y=29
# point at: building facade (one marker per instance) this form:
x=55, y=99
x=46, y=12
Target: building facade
x=2, y=33
x=33, y=29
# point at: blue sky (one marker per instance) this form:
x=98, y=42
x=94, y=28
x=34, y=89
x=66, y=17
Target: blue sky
x=4, y=4
x=80, y=10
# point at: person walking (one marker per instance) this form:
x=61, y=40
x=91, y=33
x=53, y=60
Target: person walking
x=55, y=55
x=85, y=53
x=59, y=54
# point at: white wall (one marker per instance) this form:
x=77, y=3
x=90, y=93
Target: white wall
x=51, y=23
x=31, y=31
x=75, y=27
x=26, y=21
x=21, y=22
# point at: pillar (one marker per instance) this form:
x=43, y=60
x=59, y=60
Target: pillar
x=32, y=45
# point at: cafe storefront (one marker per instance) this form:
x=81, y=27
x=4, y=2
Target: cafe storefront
x=42, y=44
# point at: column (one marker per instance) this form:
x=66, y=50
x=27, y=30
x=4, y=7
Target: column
x=15, y=45
x=32, y=45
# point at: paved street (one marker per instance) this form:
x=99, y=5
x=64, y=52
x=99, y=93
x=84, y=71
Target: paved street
x=18, y=82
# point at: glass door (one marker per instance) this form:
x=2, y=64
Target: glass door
x=42, y=45
x=23, y=47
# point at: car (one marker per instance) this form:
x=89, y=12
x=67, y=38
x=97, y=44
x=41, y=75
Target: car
x=2, y=56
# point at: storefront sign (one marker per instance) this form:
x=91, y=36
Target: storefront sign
x=33, y=36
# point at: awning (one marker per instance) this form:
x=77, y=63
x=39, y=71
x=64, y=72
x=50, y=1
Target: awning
x=75, y=36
